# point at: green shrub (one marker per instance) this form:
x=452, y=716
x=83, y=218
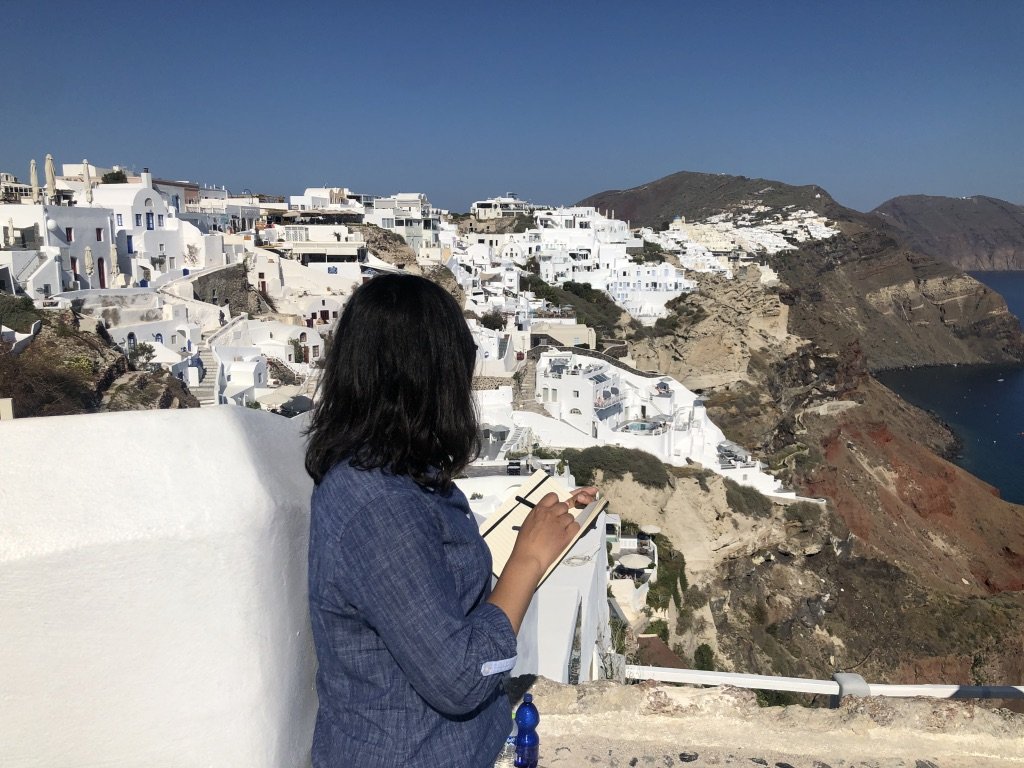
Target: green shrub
x=615, y=462
x=18, y=312
x=695, y=597
x=592, y=307
x=775, y=698
x=660, y=628
x=684, y=621
x=744, y=500
x=618, y=629
x=671, y=581
x=704, y=658
x=807, y=513
x=493, y=320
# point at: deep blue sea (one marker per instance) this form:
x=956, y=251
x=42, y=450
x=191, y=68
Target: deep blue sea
x=984, y=405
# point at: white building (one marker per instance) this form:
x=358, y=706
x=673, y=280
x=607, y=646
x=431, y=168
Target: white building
x=150, y=239
x=326, y=247
x=52, y=248
x=499, y=208
x=581, y=245
x=616, y=405
x=337, y=200
x=410, y=215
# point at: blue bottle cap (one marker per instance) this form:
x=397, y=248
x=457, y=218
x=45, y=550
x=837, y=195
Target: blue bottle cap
x=527, y=698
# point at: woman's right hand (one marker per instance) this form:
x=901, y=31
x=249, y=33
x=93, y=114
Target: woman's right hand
x=545, y=532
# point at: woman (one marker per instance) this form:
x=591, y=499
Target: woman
x=411, y=640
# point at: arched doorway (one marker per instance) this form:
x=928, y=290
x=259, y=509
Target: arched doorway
x=132, y=342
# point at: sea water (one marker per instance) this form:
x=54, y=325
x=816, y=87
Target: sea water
x=983, y=404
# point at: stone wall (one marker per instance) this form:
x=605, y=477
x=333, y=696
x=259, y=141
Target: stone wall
x=230, y=286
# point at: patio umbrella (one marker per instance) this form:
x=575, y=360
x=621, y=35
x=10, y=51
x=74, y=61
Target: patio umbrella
x=90, y=263
x=33, y=178
x=10, y=231
x=51, y=178
x=635, y=562
x=650, y=530
x=88, y=181
x=114, y=269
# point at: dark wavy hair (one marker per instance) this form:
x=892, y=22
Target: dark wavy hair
x=396, y=391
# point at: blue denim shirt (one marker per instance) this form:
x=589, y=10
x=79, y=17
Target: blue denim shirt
x=410, y=652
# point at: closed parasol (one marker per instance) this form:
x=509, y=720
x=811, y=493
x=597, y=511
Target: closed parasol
x=88, y=181
x=51, y=179
x=33, y=177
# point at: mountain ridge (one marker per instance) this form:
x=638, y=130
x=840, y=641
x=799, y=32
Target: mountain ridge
x=972, y=233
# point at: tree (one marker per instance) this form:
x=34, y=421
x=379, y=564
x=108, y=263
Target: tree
x=493, y=320
x=141, y=354
x=114, y=177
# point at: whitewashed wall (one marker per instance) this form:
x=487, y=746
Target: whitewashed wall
x=157, y=614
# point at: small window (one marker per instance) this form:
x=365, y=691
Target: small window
x=159, y=219
x=99, y=234
x=138, y=219
x=69, y=234
x=316, y=351
x=161, y=247
x=575, y=393
x=120, y=220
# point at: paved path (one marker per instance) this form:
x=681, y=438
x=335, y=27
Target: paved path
x=645, y=726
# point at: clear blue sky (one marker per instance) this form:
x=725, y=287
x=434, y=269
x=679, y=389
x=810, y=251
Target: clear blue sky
x=552, y=100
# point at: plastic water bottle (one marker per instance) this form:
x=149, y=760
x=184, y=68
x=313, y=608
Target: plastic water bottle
x=527, y=740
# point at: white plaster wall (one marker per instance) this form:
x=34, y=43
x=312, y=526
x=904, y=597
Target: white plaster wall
x=156, y=616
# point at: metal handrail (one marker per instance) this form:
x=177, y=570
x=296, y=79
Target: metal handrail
x=844, y=683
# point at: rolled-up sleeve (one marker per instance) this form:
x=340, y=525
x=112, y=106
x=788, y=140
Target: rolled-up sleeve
x=390, y=565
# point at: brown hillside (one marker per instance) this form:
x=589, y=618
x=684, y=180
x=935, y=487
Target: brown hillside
x=980, y=233
x=699, y=195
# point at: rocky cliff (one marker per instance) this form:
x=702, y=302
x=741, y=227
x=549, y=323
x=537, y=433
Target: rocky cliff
x=977, y=233
x=69, y=369
x=914, y=571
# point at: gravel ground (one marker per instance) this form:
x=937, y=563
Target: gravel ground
x=608, y=724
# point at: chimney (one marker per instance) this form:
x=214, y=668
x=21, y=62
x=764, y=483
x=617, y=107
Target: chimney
x=147, y=178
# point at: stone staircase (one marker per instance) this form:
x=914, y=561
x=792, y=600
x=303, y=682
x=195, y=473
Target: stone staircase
x=523, y=387
x=206, y=390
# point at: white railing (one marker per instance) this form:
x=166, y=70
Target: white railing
x=843, y=683
x=231, y=324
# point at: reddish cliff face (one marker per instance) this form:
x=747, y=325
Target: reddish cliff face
x=908, y=505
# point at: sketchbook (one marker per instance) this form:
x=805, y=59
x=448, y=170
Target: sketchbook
x=501, y=528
